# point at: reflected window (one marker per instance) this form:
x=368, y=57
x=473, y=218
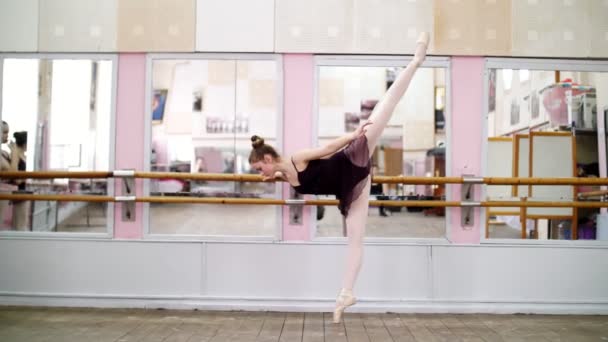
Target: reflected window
x=543, y=122
x=413, y=144
x=56, y=116
x=203, y=114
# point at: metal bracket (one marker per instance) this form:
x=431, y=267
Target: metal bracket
x=468, y=179
x=128, y=194
x=296, y=208
x=467, y=209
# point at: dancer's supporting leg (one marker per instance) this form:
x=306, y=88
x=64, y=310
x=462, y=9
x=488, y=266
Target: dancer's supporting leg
x=355, y=224
x=357, y=216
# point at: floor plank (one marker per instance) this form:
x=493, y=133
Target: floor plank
x=110, y=325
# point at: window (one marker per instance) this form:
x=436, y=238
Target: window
x=203, y=112
x=61, y=110
x=413, y=144
x=545, y=125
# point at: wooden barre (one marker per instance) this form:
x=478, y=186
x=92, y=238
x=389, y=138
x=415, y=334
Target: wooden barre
x=55, y=174
x=544, y=204
x=486, y=204
x=593, y=194
x=227, y=177
x=544, y=181
x=260, y=201
x=56, y=197
x=257, y=178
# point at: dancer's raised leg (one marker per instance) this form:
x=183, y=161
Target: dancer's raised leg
x=384, y=109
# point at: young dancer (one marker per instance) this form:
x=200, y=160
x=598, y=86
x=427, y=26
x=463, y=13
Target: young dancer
x=341, y=168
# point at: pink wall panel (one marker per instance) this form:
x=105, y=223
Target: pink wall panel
x=130, y=121
x=466, y=130
x=297, y=126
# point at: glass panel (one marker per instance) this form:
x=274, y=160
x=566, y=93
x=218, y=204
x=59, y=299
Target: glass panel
x=57, y=115
x=544, y=123
x=413, y=144
x=206, y=112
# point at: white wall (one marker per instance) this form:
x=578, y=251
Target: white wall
x=19, y=25
x=76, y=26
x=510, y=274
x=303, y=276
x=250, y=28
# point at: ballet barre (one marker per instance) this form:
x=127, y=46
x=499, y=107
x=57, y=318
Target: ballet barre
x=228, y=177
x=313, y=202
x=467, y=182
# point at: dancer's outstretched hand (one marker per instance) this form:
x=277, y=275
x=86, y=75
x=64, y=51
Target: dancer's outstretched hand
x=277, y=176
x=361, y=129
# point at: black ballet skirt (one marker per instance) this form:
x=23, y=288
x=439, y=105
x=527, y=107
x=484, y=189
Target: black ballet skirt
x=344, y=174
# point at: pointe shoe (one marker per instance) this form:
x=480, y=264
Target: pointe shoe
x=344, y=300
x=421, y=45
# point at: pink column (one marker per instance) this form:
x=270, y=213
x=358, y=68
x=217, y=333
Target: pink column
x=602, y=103
x=297, y=126
x=466, y=137
x=130, y=123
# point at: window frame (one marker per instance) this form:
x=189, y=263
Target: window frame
x=531, y=64
x=109, y=232
x=150, y=58
x=387, y=61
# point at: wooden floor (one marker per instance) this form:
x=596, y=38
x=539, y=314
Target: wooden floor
x=91, y=325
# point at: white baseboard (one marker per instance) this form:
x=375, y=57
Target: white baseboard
x=298, y=305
